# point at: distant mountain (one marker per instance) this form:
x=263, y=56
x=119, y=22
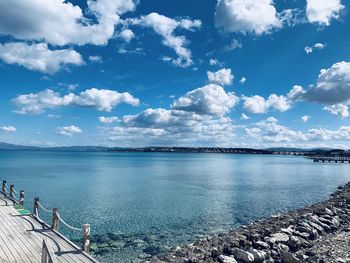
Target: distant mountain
x=14, y=147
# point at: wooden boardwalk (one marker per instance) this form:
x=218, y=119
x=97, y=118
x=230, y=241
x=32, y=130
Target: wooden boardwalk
x=21, y=239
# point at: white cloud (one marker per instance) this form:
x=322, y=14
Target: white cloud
x=309, y=50
x=257, y=104
x=60, y=22
x=68, y=130
x=196, y=118
x=127, y=35
x=101, y=99
x=95, y=58
x=305, y=118
x=166, y=27
x=269, y=131
x=323, y=11
x=242, y=80
x=209, y=100
x=215, y=62
x=244, y=117
x=222, y=77
x=247, y=16
x=332, y=87
x=340, y=110
x=8, y=128
x=108, y=120
x=39, y=57
x=319, y=45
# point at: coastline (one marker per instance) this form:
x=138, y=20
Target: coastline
x=317, y=233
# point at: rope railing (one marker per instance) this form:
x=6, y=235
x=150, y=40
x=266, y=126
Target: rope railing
x=55, y=215
x=68, y=225
x=45, y=209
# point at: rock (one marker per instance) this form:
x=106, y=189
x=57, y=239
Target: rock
x=280, y=237
x=226, y=259
x=283, y=248
x=288, y=257
x=259, y=255
x=289, y=230
x=262, y=244
x=243, y=255
x=214, y=252
x=328, y=212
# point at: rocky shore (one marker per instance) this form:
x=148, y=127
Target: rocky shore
x=319, y=233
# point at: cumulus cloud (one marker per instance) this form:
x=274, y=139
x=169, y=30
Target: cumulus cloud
x=257, y=104
x=340, y=110
x=8, y=128
x=38, y=57
x=270, y=131
x=332, y=86
x=197, y=117
x=101, y=99
x=305, y=118
x=68, y=130
x=60, y=22
x=108, y=120
x=323, y=11
x=247, y=16
x=127, y=35
x=222, y=77
x=166, y=27
x=209, y=100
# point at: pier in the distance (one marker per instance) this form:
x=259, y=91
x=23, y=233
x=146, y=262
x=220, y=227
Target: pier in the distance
x=330, y=159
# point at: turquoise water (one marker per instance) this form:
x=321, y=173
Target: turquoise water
x=140, y=204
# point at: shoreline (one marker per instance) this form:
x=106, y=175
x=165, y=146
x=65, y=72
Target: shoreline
x=317, y=233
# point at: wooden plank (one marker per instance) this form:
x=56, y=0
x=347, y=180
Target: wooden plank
x=21, y=238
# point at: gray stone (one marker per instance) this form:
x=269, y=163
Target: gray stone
x=259, y=255
x=280, y=237
x=262, y=244
x=289, y=258
x=226, y=259
x=243, y=255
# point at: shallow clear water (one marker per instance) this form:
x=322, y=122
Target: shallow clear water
x=143, y=203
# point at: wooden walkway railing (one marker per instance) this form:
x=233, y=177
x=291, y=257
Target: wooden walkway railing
x=10, y=193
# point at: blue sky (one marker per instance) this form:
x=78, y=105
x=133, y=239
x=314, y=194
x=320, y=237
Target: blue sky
x=235, y=73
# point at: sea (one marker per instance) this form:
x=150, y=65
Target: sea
x=144, y=204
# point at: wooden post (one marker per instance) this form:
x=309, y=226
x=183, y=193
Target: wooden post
x=21, y=198
x=36, y=206
x=3, y=189
x=12, y=188
x=55, y=219
x=86, y=238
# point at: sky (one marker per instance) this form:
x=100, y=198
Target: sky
x=227, y=73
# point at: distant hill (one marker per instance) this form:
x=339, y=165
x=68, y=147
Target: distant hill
x=286, y=149
x=14, y=147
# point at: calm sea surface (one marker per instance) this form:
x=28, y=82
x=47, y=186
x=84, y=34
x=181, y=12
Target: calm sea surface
x=139, y=204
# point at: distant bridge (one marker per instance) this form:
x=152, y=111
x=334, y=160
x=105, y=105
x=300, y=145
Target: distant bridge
x=330, y=159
